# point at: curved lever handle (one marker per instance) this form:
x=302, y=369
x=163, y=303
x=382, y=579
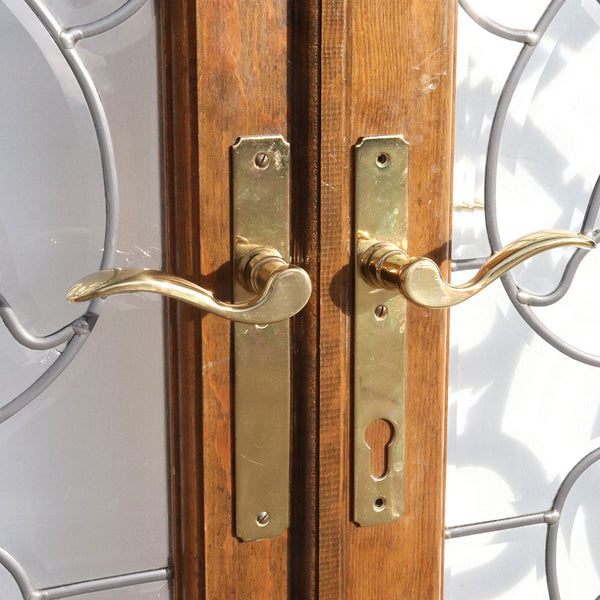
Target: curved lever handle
x=282, y=290
x=384, y=265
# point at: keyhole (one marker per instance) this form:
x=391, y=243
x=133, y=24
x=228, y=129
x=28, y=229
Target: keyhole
x=379, y=436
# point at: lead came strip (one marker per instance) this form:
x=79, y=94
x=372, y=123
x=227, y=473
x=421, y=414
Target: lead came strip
x=521, y=299
x=490, y=201
x=29, y=592
x=550, y=517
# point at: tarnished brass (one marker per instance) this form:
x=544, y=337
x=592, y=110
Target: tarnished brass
x=381, y=195
x=384, y=265
x=261, y=213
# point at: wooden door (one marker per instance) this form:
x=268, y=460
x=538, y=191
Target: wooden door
x=322, y=73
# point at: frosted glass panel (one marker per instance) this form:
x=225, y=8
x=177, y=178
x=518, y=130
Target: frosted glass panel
x=509, y=564
x=84, y=467
x=579, y=547
x=51, y=193
x=521, y=413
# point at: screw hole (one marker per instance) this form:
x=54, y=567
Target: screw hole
x=379, y=504
x=383, y=160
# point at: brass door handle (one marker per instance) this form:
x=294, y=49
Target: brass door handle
x=281, y=290
x=384, y=265
x=381, y=270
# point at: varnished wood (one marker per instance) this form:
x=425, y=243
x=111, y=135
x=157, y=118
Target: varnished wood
x=323, y=73
x=242, y=90
x=336, y=301
x=181, y=158
x=304, y=133
x=226, y=77
x=387, y=68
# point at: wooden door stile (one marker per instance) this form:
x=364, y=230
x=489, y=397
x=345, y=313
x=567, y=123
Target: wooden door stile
x=226, y=65
x=304, y=133
x=387, y=69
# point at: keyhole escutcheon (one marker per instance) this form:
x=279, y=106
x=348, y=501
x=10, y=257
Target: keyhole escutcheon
x=379, y=437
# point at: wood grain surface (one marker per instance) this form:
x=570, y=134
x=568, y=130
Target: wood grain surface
x=323, y=73
x=226, y=77
x=183, y=257
x=387, y=68
x=304, y=133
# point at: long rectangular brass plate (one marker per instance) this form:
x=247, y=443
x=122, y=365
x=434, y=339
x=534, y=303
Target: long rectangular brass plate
x=381, y=184
x=261, y=209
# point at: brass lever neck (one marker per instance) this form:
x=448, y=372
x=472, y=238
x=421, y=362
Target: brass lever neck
x=381, y=263
x=255, y=265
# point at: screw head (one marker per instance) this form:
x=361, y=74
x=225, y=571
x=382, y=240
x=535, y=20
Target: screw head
x=261, y=160
x=381, y=312
x=263, y=518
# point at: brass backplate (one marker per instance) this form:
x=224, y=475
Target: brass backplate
x=381, y=195
x=261, y=209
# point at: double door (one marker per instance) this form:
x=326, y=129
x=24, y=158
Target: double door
x=323, y=75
